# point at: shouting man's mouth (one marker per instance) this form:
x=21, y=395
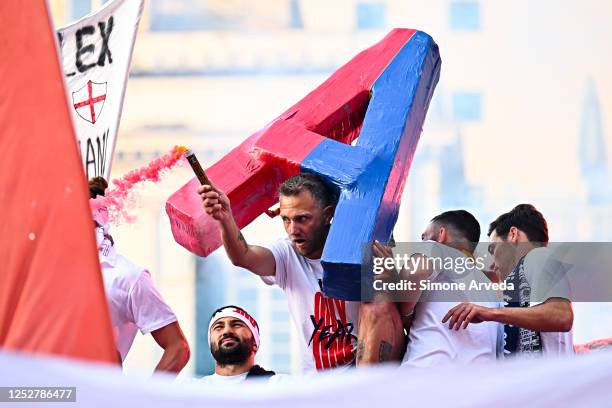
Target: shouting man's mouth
x=299, y=242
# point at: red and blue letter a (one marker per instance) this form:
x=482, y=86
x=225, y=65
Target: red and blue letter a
x=358, y=130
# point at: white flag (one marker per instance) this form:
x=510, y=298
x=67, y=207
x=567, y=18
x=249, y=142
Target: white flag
x=96, y=52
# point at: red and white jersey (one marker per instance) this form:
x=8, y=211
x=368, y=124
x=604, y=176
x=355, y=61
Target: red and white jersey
x=328, y=327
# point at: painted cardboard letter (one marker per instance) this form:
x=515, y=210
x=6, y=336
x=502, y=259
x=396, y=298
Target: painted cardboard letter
x=380, y=99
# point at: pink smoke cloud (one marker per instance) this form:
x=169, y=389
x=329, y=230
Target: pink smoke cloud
x=116, y=204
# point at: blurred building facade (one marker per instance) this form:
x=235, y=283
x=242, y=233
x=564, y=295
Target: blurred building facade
x=510, y=122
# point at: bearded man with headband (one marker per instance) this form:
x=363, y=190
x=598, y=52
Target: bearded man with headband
x=233, y=337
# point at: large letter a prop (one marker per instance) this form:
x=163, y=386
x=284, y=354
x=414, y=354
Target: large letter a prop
x=379, y=98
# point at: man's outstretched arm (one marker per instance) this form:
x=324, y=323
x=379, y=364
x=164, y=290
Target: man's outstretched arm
x=176, y=349
x=256, y=259
x=554, y=315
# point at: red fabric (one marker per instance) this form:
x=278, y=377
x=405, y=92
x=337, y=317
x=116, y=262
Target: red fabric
x=597, y=345
x=51, y=294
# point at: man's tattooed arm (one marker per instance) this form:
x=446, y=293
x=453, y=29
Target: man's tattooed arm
x=360, y=350
x=384, y=351
x=241, y=239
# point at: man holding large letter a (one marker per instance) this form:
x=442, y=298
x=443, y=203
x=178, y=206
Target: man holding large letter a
x=357, y=133
x=328, y=327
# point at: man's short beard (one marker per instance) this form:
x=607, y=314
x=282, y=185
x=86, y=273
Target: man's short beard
x=237, y=354
x=318, y=240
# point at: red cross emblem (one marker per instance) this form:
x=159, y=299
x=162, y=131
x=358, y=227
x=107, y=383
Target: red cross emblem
x=89, y=101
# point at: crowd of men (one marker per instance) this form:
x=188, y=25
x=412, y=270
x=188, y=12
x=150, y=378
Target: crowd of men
x=421, y=329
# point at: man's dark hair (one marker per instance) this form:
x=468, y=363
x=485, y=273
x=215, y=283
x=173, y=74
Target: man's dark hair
x=526, y=218
x=462, y=222
x=320, y=191
x=97, y=186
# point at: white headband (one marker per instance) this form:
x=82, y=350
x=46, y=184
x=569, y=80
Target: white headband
x=243, y=316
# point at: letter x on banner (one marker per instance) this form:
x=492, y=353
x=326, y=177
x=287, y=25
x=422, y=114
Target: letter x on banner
x=96, y=52
x=380, y=98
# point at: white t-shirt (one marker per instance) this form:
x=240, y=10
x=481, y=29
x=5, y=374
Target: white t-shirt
x=431, y=342
x=133, y=301
x=546, y=278
x=216, y=379
x=223, y=379
x=327, y=326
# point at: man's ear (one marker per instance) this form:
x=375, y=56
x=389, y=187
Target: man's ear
x=442, y=235
x=513, y=235
x=328, y=214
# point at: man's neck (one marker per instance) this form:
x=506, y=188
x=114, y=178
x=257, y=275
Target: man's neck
x=522, y=250
x=315, y=255
x=460, y=246
x=233, y=369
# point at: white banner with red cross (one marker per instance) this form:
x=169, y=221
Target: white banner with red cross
x=96, y=52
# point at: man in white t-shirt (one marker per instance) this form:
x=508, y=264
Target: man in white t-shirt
x=134, y=302
x=537, y=313
x=327, y=326
x=445, y=260
x=233, y=338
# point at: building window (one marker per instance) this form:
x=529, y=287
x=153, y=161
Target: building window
x=192, y=15
x=467, y=106
x=295, y=15
x=281, y=362
x=79, y=8
x=278, y=295
x=281, y=337
x=370, y=16
x=464, y=15
x=247, y=295
x=280, y=316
